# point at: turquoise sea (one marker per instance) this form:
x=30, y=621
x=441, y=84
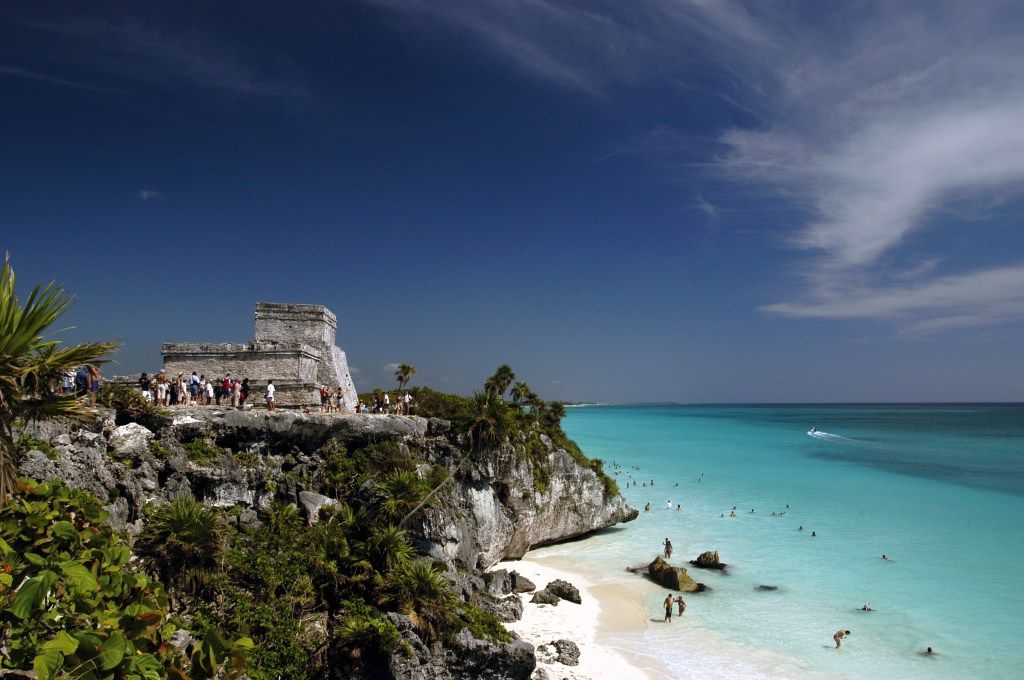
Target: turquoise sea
x=938, y=489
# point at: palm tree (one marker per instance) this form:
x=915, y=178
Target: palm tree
x=387, y=548
x=403, y=373
x=182, y=541
x=500, y=381
x=404, y=490
x=421, y=590
x=520, y=392
x=31, y=367
x=492, y=421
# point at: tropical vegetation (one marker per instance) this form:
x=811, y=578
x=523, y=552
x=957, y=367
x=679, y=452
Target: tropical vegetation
x=31, y=366
x=278, y=598
x=72, y=604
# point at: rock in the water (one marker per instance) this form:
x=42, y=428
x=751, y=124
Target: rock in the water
x=564, y=590
x=674, y=578
x=545, y=597
x=709, y=560
x=766, y=587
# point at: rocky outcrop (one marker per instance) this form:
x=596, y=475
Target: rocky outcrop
x=673, y=578
x=544, y=597
x=521, y=584
x=564, y=590
x=468, y=657
x=565, y=652
x=709, y=560
x=492, y=509
x=496, y=511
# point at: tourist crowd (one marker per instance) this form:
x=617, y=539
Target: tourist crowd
x=194, y=390
x=83, y=382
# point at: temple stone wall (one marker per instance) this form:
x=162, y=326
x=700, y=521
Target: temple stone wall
x=294, y=347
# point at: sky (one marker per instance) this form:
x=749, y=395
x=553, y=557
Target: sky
x=698, y=201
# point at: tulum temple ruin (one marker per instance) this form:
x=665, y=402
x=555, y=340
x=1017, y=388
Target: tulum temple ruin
x=294, y=347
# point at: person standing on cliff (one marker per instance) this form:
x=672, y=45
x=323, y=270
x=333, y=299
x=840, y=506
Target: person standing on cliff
x=668, y=608
x=270, y=395
x=243, y=394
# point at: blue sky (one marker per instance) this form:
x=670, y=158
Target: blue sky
x=648, y=201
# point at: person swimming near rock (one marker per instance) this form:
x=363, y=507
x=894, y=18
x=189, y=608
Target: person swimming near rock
x=866, y=608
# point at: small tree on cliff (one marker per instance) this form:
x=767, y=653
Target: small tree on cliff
x=499, y=382
x=403, y=373
x=31, y=367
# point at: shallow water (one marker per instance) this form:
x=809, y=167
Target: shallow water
x=938, y=489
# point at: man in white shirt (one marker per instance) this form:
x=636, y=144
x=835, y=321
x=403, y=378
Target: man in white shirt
x=270, y=395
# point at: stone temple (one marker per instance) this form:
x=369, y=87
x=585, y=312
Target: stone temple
x=294, y=347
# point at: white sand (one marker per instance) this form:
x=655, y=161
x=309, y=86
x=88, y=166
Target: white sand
x=604, y=609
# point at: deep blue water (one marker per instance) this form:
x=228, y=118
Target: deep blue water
x=938, y=489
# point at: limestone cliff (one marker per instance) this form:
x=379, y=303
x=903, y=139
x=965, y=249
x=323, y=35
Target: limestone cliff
x=492, y=508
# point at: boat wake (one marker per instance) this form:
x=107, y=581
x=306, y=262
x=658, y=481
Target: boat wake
x=828, y=436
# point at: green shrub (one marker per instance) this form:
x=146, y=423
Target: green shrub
x=159, y=450
x=202, y=452
x=131, y=407
x=27, y=443
x=81, y=609
x=246, y=459
x=483, y=624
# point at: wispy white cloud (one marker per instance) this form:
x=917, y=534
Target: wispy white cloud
x=150, y=194
x=32, y=75
x=132, y=51
x=980, y=298
x=875, y=137
x=871, y=119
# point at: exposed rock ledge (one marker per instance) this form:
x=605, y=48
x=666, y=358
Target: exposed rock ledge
x=492, y=509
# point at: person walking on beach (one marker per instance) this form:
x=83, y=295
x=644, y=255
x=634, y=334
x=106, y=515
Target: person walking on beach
x=840, y=635
x=668, y=608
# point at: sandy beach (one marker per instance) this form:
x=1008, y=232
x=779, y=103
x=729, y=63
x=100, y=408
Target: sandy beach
x=605, y=610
